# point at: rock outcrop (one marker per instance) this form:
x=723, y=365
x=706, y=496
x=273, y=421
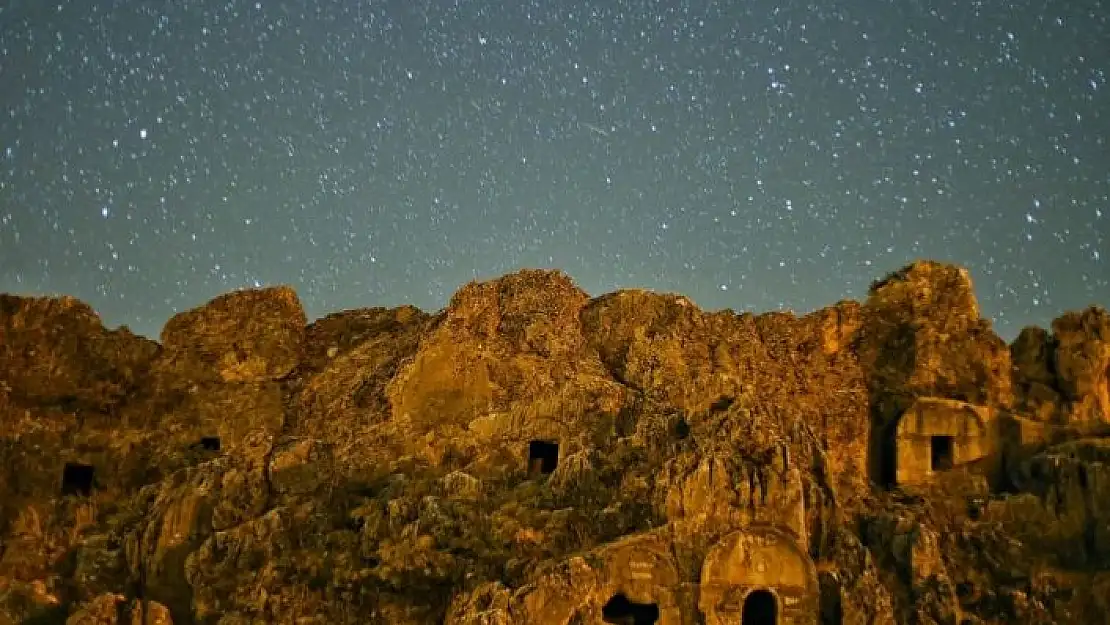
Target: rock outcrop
x=1064, y=376
x=530, y=454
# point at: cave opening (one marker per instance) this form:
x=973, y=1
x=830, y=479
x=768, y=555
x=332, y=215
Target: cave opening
x=760, y=608
x=78, y=479
x=942, y=452
x=681, y=429
x=543, y=457
x=621, y=611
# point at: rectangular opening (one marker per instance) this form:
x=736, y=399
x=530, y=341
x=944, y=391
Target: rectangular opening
x=543, y=456
x=77, y=479
x=942, y=452
x=210, y=443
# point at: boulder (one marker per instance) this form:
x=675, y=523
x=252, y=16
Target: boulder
x=253, y=335
x=1082, y=363
x=1064, y=376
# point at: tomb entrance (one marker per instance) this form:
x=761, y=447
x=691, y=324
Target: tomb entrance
x=209, y=443
x=759, y=575
x=78, y=479
x=941, y=452
x=543, y=457
x=760, y=608
x=621, y=611
x=938, y=435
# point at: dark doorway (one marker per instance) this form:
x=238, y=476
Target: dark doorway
x=624, y=612
x=942, y=452
x=542, y=457
x=681, y=429
x=760, y=609
x=887, y=460
x=209, y=443
x=77, y=479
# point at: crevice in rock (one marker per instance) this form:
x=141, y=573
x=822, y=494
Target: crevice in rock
x=751, y=489
x=763, y=477
x=722, y=404
x=141, y=588
x=617, y=377
x=1090, y=538
x=267, y=482
x=820, y=462
x=124, y=610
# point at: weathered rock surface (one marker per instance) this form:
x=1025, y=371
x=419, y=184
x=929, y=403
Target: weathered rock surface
x=1082, y=362
x=55, y=352
x=923, y=336
x=1064, y=376
x=533, y=455
x=245, y=336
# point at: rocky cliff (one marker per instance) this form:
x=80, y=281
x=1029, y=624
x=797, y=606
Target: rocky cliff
x=533, y=455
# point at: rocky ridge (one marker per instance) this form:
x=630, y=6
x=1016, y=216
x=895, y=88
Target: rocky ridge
x=530, y=454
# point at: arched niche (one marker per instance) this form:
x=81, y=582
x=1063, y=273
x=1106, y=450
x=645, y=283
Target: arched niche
x=758, y=559
x=642, y=570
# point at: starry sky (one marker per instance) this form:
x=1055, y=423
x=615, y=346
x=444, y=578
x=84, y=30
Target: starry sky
x=752, y=155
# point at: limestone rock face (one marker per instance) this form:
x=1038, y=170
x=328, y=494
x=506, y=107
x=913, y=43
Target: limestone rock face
x=337, y=334
x=1036, y=386
x=853, y=591
x=103, y=610
x=1064, y=376
x=499, y=345
x=532, y=455
x=22, y=601
x=647, y=340
x=923, y=336
x=676, y=355
x=180, y=515
x=55, y=351
x=341, y=400
x=735, y=482
x=113, y=609
x=1065, y=504
x=245, y=336
x=506, y=363
x=1082, y=362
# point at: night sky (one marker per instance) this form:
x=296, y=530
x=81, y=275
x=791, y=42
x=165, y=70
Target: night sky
x=751, y=154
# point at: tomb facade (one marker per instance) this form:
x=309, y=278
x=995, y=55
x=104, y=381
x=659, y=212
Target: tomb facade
x=937, y=435
x=758, y=575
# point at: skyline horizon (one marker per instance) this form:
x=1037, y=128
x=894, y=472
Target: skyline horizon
x=316, y=315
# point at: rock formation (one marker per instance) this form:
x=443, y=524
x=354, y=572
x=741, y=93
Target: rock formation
x=532, y=455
